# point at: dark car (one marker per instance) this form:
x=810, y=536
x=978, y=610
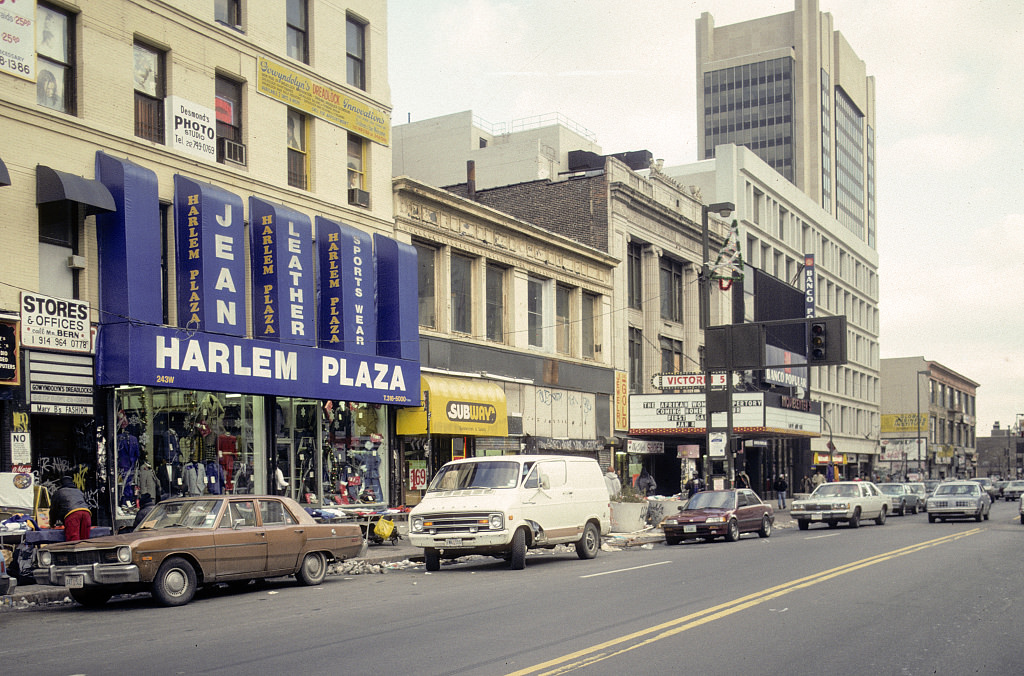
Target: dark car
x=903, y=498
x=185, y=543
x=726, y=513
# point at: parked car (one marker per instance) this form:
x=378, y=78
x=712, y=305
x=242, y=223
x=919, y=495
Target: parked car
x=959, y=499
x=921, y=490
x=725, y=513
x=988, y=486
x=1013, y=490
x=185, y=543
x=503, y=505
x=902, y=498
x=841, y=501
x=1020, y=509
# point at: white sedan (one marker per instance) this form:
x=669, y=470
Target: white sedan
x=841, y=501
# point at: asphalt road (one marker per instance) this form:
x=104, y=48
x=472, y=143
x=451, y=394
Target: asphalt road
x=905, y=598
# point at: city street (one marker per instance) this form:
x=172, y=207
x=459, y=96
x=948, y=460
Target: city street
x=905, y=598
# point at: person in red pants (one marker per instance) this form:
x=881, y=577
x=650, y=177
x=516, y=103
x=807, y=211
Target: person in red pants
x=70, y=508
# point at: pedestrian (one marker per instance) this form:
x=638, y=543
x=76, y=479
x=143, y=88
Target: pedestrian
x=613, y=483
x=146, y=506
x=742, y=480
x=781, y=486
x=70, y=508
x=817, y=480
x=805, y=484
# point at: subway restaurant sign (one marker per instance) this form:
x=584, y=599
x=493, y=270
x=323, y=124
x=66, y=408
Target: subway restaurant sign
x=305, y=94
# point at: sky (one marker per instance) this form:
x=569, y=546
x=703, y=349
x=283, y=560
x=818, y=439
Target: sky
x=949, y=106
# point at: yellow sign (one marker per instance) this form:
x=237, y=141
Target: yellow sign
x=458, y=406
x=303, y=93
x=621, y=401
x=824, y=459
x=895, y=423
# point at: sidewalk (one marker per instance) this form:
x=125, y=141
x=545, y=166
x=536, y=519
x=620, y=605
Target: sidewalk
x=376, y=559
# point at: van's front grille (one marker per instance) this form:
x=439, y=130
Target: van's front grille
x=457, y=523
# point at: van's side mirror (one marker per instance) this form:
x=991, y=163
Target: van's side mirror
x=545, y=481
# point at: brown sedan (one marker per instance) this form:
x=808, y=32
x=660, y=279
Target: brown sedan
x=188, y=542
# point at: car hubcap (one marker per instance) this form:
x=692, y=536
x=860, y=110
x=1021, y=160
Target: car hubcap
x=175, y=582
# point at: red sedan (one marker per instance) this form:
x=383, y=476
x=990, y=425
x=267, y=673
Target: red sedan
x=711, y=514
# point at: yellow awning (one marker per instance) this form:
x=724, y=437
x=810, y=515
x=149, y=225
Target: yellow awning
x=457, y=406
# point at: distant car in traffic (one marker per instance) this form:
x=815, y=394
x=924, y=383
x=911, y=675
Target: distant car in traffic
x=726, y=513
x=185, y=543
x=902, y=498
x=921, y=490
x=1014, y=489
x=841, y=501
x=959, y=500
x=988, y=486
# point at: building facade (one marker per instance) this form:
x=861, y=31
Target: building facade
x=514, y=337
x=1001, y=454
x=186, y=182
x=929, y=420
x=791, y=88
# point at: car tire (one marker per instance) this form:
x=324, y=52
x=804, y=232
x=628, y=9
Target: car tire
x=986, y=515
x=1022, y=519
x=855, y=519
x=766, y=527
x=313, y=569
x=732, y=533
x=977, y=517
x=432, y=559
x=902, y=510
x=588, y=545
x=90, y=598
x=931, y=518
x=804, y=524
x=880, y=519
x=175, y=582
x=913, y=510
x=671, y=541
x=517, y=561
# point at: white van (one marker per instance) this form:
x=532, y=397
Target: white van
x=503, y=505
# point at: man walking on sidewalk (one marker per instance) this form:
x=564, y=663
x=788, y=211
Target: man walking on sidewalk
x=781, y=486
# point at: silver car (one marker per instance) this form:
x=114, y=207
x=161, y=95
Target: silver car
x=959, y=500
x=902, y=498
x=1013, y=490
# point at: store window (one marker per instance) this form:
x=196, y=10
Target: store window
x=355, y=51
x=634, y=274
x=496, y=303
x=228, y=12
x=535, y=311
x=55, y=65
x=563, y=320
x=59, y=226
x=462, y=293
x=148, y=79
x=298, y=158
x=590, y=326
x=228, y=104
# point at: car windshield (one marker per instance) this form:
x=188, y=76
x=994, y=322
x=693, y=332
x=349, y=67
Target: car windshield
x=958, y=489
x=1015, y=484
x=462, y=475
x=182, y=514
x=712, y=500
x=891, y=489
x=835, y=491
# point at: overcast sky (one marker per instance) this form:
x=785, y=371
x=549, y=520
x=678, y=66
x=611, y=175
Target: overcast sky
x=949, y=135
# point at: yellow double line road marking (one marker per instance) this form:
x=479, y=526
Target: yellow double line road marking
x=645, y=637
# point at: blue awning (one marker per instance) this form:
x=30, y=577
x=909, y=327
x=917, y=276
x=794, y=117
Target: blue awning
x=56, y=186
x=5, y=178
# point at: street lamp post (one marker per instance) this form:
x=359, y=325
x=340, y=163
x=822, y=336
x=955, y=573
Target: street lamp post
x=723, y=209
x=927, y=460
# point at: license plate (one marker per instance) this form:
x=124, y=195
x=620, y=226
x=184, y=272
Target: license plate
x=815, y=517
x=74, y=581
x=689, y=529
x=453, y=542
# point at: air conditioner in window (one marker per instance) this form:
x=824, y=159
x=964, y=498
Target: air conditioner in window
x=230, y=151
x=358, y=197
x=76, y=262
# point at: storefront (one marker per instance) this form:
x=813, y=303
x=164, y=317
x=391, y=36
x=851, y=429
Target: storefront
x=299, y=404
x=459, y=418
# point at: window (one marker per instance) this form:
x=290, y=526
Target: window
x=563, y=323
x=636, y=360
x=428, y=306
x=55, y=68
x=589, y=325
x=535, y=312
x=228, y=103
x=273, y=512
x=495, y=303
x=59, y=225
x=298, y=159
x=228, y=12
x=635, y=287
x=298, y=40
x=355, y=51
x=356, y=173
x=148, y=77
x=462, y=294
x=671, y=279
x=671, y=356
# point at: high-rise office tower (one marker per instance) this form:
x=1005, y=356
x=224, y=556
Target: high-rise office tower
x=791, y=89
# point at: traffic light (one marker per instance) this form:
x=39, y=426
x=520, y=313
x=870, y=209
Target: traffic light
x=826, y=341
